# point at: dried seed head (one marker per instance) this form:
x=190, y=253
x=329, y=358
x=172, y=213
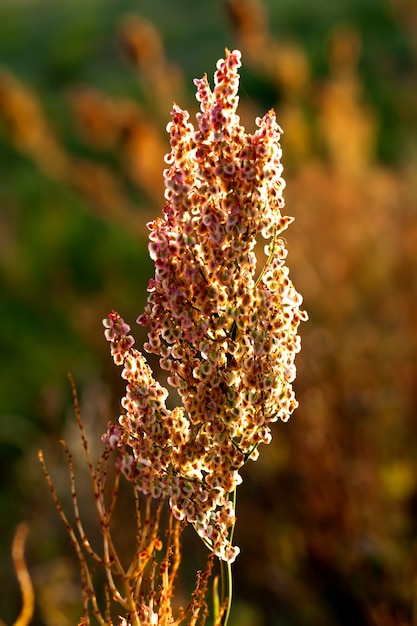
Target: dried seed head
x=226, y=333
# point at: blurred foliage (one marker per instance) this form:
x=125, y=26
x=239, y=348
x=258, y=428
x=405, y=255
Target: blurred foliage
x=327, y=517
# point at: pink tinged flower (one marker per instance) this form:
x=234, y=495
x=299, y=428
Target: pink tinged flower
x=127, y=465
x=230, y=553
x=226, y=337
x=114, y=435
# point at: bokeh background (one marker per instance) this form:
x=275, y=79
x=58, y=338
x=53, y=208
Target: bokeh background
x=327, y=518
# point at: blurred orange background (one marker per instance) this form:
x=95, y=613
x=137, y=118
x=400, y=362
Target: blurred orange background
x=327, y=517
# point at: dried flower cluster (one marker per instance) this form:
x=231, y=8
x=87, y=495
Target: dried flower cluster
x=223, y=325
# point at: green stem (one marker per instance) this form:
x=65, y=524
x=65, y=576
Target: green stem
x=268, y=261
x=227, y=588
x=226, y=572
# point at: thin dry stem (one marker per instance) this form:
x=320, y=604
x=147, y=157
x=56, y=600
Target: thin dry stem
x=111, y=559
x=145, y=587
x=23, y=576
x=87, y=584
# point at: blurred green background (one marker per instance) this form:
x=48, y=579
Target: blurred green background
x=327, y=517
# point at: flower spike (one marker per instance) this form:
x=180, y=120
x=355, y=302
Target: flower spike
x=222, y=321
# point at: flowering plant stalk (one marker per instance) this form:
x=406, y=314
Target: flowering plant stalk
x=224, y=326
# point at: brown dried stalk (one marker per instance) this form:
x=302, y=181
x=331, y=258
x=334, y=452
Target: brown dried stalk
x=144, y=589
x=23, y=576
x=119, y=580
